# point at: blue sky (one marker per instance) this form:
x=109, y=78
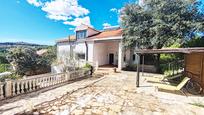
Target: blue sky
x=44, y=21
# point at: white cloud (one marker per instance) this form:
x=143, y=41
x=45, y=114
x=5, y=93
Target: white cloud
x=71, y=29
x=64, y=8
x=68, y=11
x=36, y=3
x=105, y=25
x=58, y=17
x=79, y=21
x=113, y=10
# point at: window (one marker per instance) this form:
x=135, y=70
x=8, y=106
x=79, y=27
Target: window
x=81, y=34
x=81, y=55
x=133, y=57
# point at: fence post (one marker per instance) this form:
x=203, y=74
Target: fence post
x=1, y=91
x=67, y=76
x=8, y=88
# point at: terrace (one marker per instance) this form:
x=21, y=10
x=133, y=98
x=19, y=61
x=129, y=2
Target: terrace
x=115, y=93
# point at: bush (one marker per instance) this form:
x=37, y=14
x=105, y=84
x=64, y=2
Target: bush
x=51, y=55
x=195, y=42
x=3, y=59
x=27, y=62
x=12, y=76
x=87, y=65
x=4, y=67
x=132, y=67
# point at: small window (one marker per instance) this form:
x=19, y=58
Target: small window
x=81, y=55
x=81, y=34
x=133, y=57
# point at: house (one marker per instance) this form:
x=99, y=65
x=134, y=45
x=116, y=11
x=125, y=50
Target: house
x=99, y=47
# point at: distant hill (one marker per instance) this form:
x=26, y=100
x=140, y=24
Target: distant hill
x=14, y=44
x=8, y=45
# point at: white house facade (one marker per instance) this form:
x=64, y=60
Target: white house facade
x=99, y=47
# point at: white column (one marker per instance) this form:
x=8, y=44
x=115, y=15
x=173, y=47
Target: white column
x=120, y=56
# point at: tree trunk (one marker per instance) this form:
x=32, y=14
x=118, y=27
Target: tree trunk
x=158, y=69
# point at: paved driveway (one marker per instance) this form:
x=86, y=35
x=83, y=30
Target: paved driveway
x=117, y=94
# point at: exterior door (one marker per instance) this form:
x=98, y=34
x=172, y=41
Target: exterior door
x=111, y=58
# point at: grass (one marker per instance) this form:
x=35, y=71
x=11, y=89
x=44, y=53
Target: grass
x=197, y=104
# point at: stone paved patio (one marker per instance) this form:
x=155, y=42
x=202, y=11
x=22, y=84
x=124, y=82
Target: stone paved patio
x=117, y=94
x=28, y=101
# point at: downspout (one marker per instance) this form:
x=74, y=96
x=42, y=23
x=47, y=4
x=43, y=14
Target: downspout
x=86, y=51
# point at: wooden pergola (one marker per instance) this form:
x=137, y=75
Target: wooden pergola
x=167, y=51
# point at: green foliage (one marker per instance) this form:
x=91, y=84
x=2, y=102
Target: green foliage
x=165, y=58
x=4, y=67
x=130, y=67
x=3, y=59
x=159, y=23
x=51, y=55
x=87, y=65
x=199, y=104
x=12, y=76
x=27, y=62
x=195, y=42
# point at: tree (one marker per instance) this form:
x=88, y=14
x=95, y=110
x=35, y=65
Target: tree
x=50, y=56
x=197, y=41
x=159, y=23
x=26, y=61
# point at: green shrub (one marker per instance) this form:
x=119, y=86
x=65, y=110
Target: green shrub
x=198, y=104
x=87, y=65
x=4, y=67
x=28, y=62
x=132, y=67
x=12, y=76
x=195, y=42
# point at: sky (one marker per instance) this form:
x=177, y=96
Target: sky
x=44, y=21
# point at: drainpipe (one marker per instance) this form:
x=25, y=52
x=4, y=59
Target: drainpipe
x=86, y=51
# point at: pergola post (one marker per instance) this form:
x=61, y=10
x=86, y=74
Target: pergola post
x=143, y=65
x=120, y=56
x=138, y=72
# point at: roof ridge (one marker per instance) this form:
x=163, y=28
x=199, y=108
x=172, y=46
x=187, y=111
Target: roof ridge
x=91, y=27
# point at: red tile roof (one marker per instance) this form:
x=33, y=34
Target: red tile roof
x=107, y=33
x=102, y=34
x=68, y=39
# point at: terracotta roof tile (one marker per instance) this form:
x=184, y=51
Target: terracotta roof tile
x=68, y=39
x=107, y=33
x=102, y=34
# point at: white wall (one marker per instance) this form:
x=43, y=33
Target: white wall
x=90, y=51
x=80, y=48
x=97, y=52
x=63, y=50
x=112, y=47
x=102, y=51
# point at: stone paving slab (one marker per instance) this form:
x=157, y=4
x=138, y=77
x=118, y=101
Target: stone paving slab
x=28, y=103
x=117, y=94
